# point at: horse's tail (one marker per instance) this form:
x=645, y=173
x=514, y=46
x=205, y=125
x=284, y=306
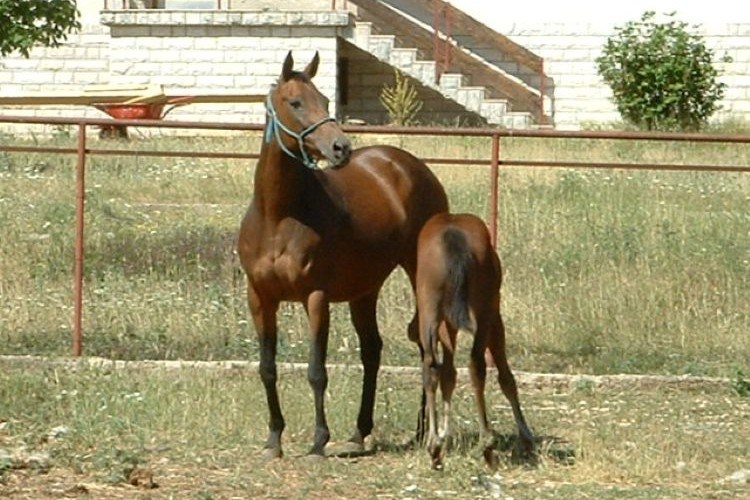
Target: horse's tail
x=456, y=295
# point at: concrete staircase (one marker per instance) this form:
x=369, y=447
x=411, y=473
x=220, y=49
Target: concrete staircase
x=452, y=85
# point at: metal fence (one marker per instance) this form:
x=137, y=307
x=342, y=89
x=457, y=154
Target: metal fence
x=493, y=160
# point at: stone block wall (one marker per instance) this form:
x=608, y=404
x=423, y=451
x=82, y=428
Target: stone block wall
x=188, y=52
x=83, y=60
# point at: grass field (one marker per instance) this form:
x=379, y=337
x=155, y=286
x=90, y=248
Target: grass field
x=606, y=271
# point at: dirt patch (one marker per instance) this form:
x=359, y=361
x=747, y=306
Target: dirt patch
x=525, y=380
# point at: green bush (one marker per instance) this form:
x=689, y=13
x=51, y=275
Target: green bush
x=661, y=75
x=401, y=101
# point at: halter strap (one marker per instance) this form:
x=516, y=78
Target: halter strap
x=274, y=128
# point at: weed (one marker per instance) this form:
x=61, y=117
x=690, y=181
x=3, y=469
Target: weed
x=740, y=384
x=401, y=100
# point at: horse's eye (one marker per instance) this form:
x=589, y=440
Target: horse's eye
x=296, y=104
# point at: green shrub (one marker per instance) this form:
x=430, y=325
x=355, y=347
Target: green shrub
x=661, y=75
x=401, y=101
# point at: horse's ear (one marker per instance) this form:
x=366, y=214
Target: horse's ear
x=287, y=69
x=312, y=68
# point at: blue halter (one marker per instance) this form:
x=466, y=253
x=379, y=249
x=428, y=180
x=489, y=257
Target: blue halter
x=274, y=128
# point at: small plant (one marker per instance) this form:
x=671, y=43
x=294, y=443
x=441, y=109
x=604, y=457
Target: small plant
x=62, y=132
x=740, y=384
x=6, y=162
x=401, y=101
x=661, y=76
x=583, y=384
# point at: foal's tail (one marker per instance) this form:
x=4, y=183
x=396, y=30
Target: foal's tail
x=456, y=296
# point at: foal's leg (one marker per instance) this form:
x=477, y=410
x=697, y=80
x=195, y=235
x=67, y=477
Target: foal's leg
x=264, y=319
x=431, y=375
x=447, y=386
x=496, y=345
x=318, y=316
x=363, y=312
x=478, y=372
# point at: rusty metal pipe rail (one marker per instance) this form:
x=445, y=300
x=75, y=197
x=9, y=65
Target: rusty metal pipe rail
x=388, y=129
x=82, y=150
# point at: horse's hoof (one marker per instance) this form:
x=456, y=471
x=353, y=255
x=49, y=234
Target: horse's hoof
x=313, y=457
x=345, y=449
x=436, y=454
x=491, y=458
x=271, y=453
x=523, y=452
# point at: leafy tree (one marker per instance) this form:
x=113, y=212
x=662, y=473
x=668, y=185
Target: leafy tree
x=25, y=23
x=661, y=75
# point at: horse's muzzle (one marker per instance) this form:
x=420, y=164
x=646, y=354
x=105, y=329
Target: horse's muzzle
x=341, y=151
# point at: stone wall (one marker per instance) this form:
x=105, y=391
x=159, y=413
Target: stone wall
x=188, y=52
x=82, y=60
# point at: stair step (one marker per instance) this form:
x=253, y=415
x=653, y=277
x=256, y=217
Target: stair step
x=424, y=71
x=361, y=34
x=403, y=58
x=451, y=81
x=518, y=120
x=493, y=110
x=470, y=97
x=381, y=46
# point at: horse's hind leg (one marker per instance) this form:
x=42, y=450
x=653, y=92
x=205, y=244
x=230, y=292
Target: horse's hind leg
x=478, y=373
x=363, y=312
x=432, y=374
x=318, y=316
x=496, y=344
x=447, y=386
x=264, y=319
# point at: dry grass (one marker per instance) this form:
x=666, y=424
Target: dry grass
x=197, y=433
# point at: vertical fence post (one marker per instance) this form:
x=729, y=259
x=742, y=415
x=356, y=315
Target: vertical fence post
x=78, y=270
x=494, y=173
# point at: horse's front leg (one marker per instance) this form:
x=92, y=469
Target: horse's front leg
x=413, y=332
x=363, y=312
x=318, y=315
x=264, y=319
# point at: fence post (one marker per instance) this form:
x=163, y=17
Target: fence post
x=78, y=270
x=494, y=174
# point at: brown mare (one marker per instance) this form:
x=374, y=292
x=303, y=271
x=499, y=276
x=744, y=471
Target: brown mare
x=458, y=289
x=318, y=236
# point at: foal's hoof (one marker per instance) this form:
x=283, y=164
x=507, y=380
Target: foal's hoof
x=346, y=449
x=271, y=453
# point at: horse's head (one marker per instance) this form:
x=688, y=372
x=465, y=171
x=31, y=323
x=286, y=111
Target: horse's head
x=298, y=118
